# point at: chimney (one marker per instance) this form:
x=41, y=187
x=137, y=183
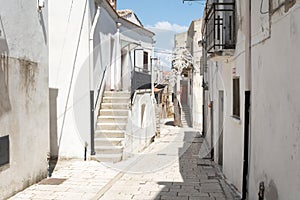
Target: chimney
x=113, y=3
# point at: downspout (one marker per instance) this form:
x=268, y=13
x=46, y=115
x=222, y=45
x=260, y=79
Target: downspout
x=152, y=72
x=91, y=74
x=248, y=45
x=204, y=86
x=118, y=65
x=247, y=114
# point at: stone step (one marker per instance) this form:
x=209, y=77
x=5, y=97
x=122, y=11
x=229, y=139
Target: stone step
x=115, y=99
x=114, y=112
x=104, y=141
x=112, y=119
x=114, y=105
x=109, y=149
x=109, y=134
x=107, y=157
x=111, y=126
x=116, y=94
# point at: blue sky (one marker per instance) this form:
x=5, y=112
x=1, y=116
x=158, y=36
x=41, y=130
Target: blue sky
x=173, y=11
x=165, y=18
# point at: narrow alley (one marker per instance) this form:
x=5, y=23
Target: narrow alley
x=170, y=168
x=152, y=99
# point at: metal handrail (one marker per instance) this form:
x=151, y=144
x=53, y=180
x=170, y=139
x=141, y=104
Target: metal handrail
x=100, y=86
x=93, y=108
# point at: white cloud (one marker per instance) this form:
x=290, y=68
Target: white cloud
x=164, y=36
x=167, y=26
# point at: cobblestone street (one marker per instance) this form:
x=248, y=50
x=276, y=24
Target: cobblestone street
x=180, y=173
x=170, y=168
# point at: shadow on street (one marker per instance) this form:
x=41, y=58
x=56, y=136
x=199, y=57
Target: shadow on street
x=201, y=177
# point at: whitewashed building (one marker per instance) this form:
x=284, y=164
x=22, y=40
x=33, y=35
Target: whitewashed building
x=252, y=78
x=194, y=37
x=186, y=45
x=24, y=108
x=94, y=54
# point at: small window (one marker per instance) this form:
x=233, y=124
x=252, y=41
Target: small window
x=145, y=66
x=4, y=150
x=236, y=97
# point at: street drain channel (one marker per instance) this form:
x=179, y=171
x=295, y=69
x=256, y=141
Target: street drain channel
x=52, y=181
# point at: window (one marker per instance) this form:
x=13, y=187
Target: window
x=145, y=66
x=4, y=150
x=236, y=97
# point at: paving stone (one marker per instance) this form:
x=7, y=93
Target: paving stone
x=202, y=198
x=188, y=177
x=142, y=197
x=171, y=193
x=217, y=194
x=173, y=198
x=199, y=194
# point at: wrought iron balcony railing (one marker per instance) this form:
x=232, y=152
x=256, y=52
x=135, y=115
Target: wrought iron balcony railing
x=220, y=31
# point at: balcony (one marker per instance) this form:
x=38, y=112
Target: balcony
x=220, y=31
x=141, y=79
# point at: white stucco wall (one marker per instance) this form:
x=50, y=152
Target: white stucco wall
x=197, y=92
x=274, y=132
x=220, y=79
x=180, y=40
x=140, y=130
x=85, y=40
x=275, y=135
x=221, y=74
x=69, y=29
x=24, y=108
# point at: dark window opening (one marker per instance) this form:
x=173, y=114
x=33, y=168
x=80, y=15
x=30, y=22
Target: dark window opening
x=4, y=150
x=145, y=66
x=236, y=97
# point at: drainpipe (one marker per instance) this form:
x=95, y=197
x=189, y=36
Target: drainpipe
x=204, y=85
x=91, y=77
x=248, y=87
x=248, y=45
x=212, y=129
x=118, y=65
x=152, y=72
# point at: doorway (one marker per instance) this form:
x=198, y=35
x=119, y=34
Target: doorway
x=184, y=92
x=221, y=126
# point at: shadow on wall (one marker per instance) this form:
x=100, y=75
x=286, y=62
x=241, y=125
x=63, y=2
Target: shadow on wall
x=5, y=105
x=271, y=191
x=41, y=20
x=53, y=93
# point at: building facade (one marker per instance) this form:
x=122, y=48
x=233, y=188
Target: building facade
x=110, y=53
x=251, y=71
x=188, y=54
x=24, y=108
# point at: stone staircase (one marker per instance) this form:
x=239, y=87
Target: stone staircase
x=185, y=116
x=111, y=126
